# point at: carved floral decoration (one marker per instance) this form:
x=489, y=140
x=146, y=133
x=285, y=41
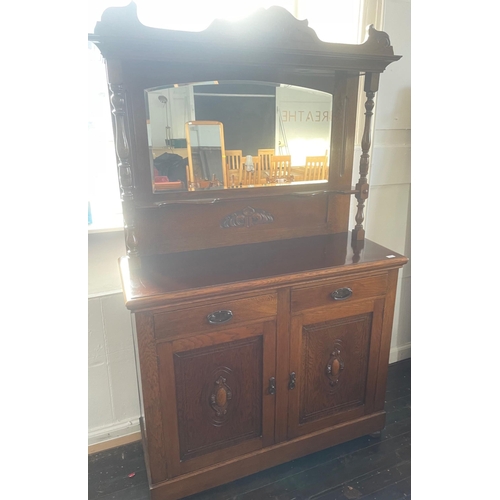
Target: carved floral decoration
x=246, y=218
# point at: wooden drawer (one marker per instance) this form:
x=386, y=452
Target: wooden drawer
x=195, y=319
x=320, y=295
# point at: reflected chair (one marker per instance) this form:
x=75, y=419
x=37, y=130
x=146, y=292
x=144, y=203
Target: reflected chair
x=265, y=156
x=232, y=164
x=316, y=168
x=280, y=166
x=249, y=178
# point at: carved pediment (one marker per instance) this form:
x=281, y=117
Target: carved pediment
x=121, y=17
x=376, y=37
x=274, y=26
x=274, y=23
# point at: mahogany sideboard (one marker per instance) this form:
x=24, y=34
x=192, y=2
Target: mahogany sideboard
x=262, y=321
x=250, y=356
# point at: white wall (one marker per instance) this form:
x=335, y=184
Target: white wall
x=113, y=393
x=112, y=375
x=388, y=207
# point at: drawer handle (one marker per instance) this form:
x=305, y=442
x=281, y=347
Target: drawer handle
x=218, y=317
x=341, y=293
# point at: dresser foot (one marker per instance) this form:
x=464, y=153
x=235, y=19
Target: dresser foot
x=376, y=434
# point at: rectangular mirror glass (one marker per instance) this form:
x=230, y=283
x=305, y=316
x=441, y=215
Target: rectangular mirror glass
x=237, y=135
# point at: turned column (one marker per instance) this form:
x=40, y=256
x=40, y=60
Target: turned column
x=118, y=106
x=370, y=87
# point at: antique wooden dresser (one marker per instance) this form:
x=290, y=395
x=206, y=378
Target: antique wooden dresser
x=262, y=321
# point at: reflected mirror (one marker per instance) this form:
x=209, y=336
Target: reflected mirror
x=205, y=147
x=237, y=135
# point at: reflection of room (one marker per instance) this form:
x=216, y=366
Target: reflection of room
x=273, y=134
x=304, y=117
x=168, y=109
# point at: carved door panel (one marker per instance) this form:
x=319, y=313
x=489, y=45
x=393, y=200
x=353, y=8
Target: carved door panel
x=221, y=385
x=333, y=360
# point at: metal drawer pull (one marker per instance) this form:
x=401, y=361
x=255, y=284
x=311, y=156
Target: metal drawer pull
x=218, y=317
x=341, y=293
x=292, y=382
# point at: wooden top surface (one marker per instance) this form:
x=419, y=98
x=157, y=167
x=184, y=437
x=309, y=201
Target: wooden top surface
x=201, y=274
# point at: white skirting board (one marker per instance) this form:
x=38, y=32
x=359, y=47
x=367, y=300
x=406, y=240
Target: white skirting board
x=114, y=435
x=399, y=353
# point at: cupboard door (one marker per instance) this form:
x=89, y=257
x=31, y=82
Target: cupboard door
x=217, y=398
x=334, y=358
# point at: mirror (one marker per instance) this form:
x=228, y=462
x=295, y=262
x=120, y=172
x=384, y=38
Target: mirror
x=234, y=135
x=205, y=145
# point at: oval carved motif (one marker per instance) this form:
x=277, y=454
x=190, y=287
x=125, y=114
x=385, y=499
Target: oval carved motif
x=335, y=364
x=219, y=400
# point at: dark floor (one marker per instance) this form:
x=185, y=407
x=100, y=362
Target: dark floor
x=367, y=468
